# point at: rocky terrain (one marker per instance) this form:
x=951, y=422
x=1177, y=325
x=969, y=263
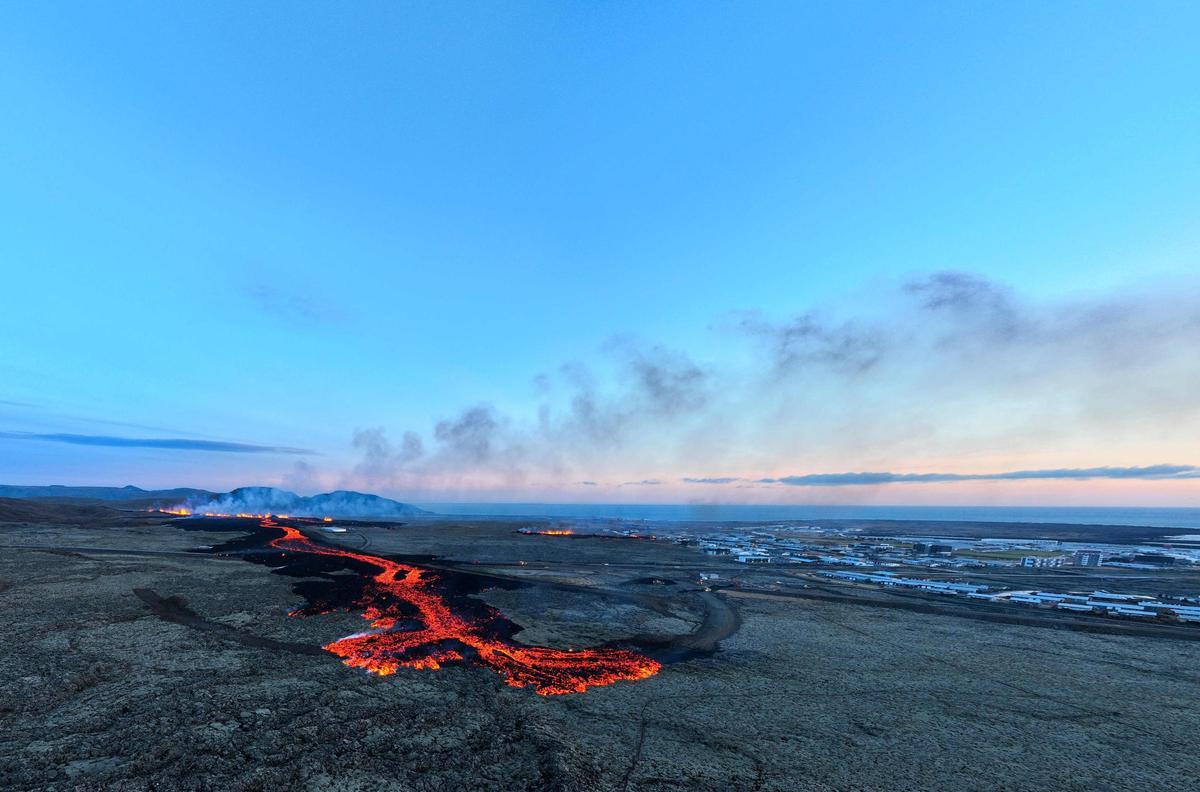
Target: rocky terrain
x=107, y=686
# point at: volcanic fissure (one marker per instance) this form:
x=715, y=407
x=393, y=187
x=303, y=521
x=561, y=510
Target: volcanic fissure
x=417, y=624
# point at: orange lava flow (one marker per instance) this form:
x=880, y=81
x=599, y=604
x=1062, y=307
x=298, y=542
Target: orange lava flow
x=444, y=634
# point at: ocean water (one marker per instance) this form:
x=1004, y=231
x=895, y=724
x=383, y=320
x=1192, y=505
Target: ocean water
x=1182, y=517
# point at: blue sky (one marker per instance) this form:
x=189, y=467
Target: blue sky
x=280, y=226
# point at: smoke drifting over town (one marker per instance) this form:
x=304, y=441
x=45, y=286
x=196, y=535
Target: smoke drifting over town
x=939, y=367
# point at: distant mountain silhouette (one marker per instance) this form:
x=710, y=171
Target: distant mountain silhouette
x=102, y=493
x=342, y=503
x=254, y=500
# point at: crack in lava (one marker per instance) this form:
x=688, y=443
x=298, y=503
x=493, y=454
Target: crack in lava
x=445, y=636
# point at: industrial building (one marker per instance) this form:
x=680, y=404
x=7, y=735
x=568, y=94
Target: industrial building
x=1040, y=562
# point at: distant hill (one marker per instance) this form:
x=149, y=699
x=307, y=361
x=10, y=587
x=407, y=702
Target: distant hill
x=103, y=493
x=45, y=510
x=342, y=503
x=254, y=500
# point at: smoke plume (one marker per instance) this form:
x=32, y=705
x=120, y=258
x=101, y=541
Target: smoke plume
x=948, y=366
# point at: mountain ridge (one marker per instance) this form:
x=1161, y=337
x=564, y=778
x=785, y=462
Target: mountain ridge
x=128, y=492
x=257, y=500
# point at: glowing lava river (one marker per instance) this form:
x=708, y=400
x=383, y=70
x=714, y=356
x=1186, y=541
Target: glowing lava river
x=415, y=624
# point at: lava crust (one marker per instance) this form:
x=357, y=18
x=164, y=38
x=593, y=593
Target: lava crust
x=416, y=624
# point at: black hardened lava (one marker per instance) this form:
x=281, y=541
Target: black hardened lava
x=407, y=601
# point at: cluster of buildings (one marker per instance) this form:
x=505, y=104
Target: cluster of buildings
x=752, y=547
x=761, y=546
x=831, y=547
x=1095, y=558
x=872, y=556
x=1137, y=606
x=764, y=547
x=923, y=584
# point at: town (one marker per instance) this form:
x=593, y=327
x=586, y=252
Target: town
x=950, y=567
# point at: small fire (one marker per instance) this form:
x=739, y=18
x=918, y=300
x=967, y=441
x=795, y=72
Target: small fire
x=446, y=634
x=181, y=511
x=547, y=532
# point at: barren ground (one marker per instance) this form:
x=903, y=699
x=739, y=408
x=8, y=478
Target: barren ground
x=99, y=691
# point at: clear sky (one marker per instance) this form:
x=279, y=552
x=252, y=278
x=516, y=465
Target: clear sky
x=606, y=243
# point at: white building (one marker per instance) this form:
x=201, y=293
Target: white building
x=753, y=558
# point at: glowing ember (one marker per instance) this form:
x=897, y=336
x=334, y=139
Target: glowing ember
x=449, y=637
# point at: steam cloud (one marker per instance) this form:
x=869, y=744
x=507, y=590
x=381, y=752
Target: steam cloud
x=268, y=500
x=944, y=366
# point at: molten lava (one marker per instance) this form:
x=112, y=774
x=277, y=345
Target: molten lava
x=444, y=636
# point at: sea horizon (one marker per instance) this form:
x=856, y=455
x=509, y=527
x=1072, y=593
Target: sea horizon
x=1153, y=516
